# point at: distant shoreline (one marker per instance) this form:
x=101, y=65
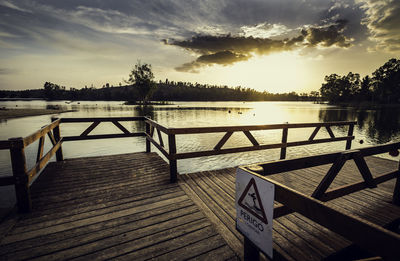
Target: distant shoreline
x=6, y=114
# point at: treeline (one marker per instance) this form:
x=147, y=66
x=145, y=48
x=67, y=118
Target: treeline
x=383, y=87
x=166, y=91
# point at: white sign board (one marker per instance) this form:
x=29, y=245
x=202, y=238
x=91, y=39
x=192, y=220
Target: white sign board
x=254, y=209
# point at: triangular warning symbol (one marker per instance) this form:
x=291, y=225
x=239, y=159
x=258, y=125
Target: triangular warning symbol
x=250, y=200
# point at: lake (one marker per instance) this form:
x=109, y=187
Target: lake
x=374, y=126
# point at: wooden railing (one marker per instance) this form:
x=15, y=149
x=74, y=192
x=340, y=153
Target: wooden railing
x=380, y=241
x=172, y=155
x=96, y=121
x=22, y=178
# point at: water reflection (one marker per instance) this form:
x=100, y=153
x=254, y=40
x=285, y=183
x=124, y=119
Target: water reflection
x=378, y=125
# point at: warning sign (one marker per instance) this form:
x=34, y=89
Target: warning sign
x=254, y=209
x=250, y=201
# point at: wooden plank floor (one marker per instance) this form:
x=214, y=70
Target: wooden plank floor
x=113, y=207
x=295, y=237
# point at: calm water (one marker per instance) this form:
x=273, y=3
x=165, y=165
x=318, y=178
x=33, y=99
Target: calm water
x=374, y=127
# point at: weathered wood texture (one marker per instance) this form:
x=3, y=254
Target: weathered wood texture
x=295, y=236
x=120, y=206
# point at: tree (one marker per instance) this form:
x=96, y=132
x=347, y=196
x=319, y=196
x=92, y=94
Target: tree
x=341, y=88
x=142, y=78
x=386, y=82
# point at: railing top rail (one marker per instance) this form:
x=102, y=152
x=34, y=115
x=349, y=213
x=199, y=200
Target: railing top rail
x=92, y=119
x=285, y=165
x=198, y=130
x=5, y=144
x=157, y=125
x=40, y=133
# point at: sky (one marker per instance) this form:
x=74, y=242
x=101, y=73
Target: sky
x=268, y=45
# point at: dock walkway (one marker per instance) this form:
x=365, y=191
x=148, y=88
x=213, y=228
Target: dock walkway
x=296, y=237
x=120, y=206
x=126, y=208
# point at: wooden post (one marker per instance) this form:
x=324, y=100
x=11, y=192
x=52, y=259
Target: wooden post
x=350, y=133
x=148, y=145
x=57, y=137
x=396, y=191
x=173, y=168
x=18, y=162
x=251, y=252
x=284, y=142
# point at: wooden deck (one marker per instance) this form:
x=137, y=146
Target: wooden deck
x=296, y=237
x=113, y=207
x=124, y=207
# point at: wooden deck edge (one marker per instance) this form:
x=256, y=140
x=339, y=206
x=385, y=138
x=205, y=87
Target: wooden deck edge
x=235, y=244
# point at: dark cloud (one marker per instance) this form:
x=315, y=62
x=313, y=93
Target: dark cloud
x=328, y=36
x=208, y=44
x=222, y=58
x=228, y=49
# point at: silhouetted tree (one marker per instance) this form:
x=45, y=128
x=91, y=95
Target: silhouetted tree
x=143, y=79
x=386, y=82
x=341, y=88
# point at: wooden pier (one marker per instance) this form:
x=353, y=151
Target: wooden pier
x=123, y=208
x=135, y=206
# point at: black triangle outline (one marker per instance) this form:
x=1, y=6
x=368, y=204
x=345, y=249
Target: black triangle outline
x=264, y=217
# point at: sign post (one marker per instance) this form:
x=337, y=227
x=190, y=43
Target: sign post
x=254, y=209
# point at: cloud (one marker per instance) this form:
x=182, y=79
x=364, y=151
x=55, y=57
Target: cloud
x=14, y=7
x=383, y=22
x=328, y=35
x=229, y=49
x=222, y=58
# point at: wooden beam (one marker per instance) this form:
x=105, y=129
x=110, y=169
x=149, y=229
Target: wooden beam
x=102, y=119
x=151, y=131
x=156, y=125
x=122, y=128
x=251, y=251
x=330, y=176
x=350, y=133
x=57, y=138
x=188, y=155
x=90, y=128
x=364, y=170
x=51, y=137
x=315, y=133
x=281, y=210
x=42, y=162
x=163, y=151
x=329, y=130
x=251, y=138
x=160, y=138
x=357, y=186
x=40, y=149
x=148, y=145
x=40, y=133
x=18, y=163
x=173, y=166
x=6, y=181
x=5, y=144
x=255, y=127
x=369, y=236
x=103, y=136
x=284, y=143
x=223, y=140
